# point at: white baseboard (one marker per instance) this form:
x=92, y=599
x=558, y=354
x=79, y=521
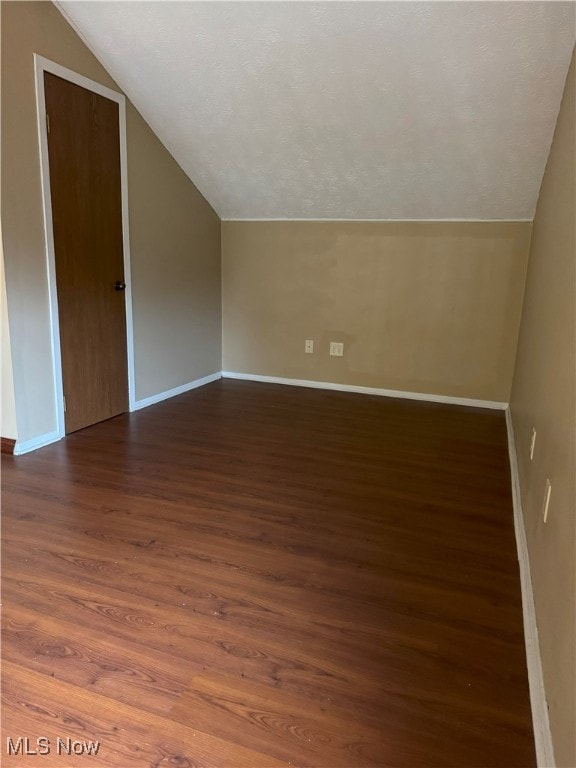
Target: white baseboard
x=36, y=442
x=540, y=720
x=368, y=390
x=176, y=391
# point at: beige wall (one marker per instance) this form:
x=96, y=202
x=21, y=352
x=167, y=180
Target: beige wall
x=174, y=234
x=544, y=398
x=175, y=246
x=421, y=307
x=8, y=406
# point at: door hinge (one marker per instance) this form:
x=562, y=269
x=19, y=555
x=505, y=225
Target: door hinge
x=64, y=399
x=47, y=122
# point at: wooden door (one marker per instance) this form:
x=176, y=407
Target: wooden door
x=84, y=157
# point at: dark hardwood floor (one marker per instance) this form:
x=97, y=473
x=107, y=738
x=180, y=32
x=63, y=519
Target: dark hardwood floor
x=255, y=576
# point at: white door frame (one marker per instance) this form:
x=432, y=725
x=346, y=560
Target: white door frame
x=42, y=65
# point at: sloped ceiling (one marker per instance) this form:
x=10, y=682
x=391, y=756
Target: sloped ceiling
x=345, y=110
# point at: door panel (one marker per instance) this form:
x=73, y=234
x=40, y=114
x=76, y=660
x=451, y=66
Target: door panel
x=84, y=157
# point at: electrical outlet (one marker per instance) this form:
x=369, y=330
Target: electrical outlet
x=546, y=503
x=309, y=346
x=532, y=444
x=336, y=349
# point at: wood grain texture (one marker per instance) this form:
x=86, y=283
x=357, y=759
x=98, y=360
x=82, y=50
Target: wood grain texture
x=257, y=575
x=84, y=154
x=7, y=445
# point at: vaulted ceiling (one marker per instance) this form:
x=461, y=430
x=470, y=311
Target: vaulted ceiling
x=345, y=110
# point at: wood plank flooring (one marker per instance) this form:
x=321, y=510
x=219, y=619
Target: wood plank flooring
x=255, y=576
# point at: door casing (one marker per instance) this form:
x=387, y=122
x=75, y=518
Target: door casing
x=42, y=65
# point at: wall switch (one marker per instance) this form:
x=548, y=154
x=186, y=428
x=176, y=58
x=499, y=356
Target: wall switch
x=309, y=346
x=336, y=349
x=546, y=503
x=532, y=444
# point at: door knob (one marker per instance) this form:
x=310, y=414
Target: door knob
x=119, y=285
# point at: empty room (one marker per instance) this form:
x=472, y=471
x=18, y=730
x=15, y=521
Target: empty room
x=288, y=400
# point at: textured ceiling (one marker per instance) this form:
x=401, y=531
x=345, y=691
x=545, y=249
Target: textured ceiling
x=345, y=110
